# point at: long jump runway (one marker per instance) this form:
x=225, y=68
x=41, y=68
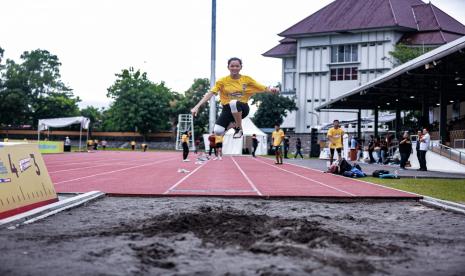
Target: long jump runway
x=157, y=174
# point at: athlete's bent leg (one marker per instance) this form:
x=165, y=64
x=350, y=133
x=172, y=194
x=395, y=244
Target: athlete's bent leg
x=237, y=115
x=236, y=112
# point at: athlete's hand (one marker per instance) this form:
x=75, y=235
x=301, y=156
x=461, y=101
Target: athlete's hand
x=274, y=90
x=194, y=111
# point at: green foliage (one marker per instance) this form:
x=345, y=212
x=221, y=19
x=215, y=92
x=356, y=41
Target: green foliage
x=447, y=189
x=32, y=90
x=403, y=53
x=1, y=56
x=191, y=97
x=139, y=104
x=95, y=115
x=272, y=109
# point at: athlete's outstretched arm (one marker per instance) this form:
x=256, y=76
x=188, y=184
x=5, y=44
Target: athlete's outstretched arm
x=205, y=99
x=271, y=89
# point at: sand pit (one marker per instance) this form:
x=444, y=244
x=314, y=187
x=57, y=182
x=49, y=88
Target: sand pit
x=214, y=236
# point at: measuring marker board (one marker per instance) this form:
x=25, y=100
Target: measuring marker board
x=24, y=180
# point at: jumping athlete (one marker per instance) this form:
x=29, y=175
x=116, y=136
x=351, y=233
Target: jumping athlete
x=235, y=91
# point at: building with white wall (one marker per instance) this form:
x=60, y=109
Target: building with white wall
x=347, y=44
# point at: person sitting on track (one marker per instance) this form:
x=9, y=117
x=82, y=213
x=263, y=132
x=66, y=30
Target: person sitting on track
x=235, y=91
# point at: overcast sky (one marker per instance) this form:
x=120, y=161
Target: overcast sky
x=170, y=39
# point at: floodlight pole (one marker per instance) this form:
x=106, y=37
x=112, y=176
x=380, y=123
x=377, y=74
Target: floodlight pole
x=212, y=114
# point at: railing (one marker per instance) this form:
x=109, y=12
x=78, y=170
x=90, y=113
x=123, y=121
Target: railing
x=459, y=144
x=449, y=153
x=288, y=92
x=393, y=148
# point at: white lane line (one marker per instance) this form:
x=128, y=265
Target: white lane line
x=247, y=178
x=355, y=179
x=64, y=162
x=212, y=191
x=125, y=169
x=304, y=177
x=184, y=178
x=96, y=166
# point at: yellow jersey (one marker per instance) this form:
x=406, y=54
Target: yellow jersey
x=185, y=138
x=218, y=139
x=335, y=141
x=240, y=89
x=278, y=137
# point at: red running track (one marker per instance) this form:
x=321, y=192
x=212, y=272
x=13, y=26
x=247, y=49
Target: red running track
x=156, y=173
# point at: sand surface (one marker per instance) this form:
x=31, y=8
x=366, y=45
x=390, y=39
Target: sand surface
x=218, y=236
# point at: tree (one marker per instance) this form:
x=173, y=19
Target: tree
x=1, y=54
x=271, y=109
x=191, y=97
x=403, y=53
x=35, y=88
x=139, y=104
x=95, y=116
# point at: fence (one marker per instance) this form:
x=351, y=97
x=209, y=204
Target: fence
x=459, y=143
x=449, y=152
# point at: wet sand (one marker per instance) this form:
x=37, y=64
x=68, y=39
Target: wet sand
x=218, y=236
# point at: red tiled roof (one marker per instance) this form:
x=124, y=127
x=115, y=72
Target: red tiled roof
x=429, y=38
x=351, y=15
x=447, y=22
x=282, y=50
x=288, y=39
x=423, y=22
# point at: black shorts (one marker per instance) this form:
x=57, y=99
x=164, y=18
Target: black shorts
x=226, y=116
x=219, y=145
x=338, y=151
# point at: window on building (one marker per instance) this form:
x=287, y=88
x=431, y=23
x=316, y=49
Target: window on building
x=347, y=73
x=344, y=73
x=340, y=74
x=344, y=53
x=354, y=72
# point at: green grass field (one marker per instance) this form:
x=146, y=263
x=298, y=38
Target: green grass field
x=447, y=189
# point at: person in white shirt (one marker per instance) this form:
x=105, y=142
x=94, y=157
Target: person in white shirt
x=424, y=145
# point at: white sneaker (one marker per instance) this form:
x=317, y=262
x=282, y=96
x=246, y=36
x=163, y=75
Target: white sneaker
x=220, y=158
x=216, y=158
x=186, y=160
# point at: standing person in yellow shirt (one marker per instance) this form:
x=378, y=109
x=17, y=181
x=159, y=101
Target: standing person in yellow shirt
x=235, y=91
x=133, y=145
x=335, y=141
x=219, y=147
x=185, y=146
x=277, y=138
x=90, y=144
